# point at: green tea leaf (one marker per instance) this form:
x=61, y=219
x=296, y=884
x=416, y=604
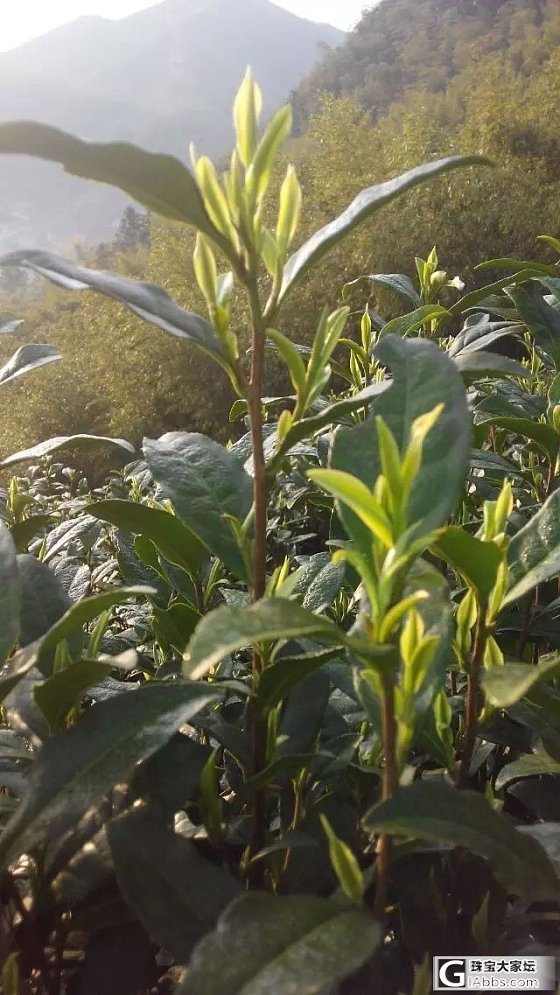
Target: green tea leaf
x=176, y=543
x=476, y=561
x=176, y=893
x=59, y=694
x=28, y=357
x=9, y=593
x=361, y=208
x=264, y=944
x=531, y=765
x=408, y=323
x=440, y=813
x=60, y=442
x=231, y=628
x=505, y=686
x=85, y=611
x=148, y=301
x=205, y=482
x=159, y=182
x=423, y=378
x=76, y=769
x=534, y=552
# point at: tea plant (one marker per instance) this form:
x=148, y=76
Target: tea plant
x=308, y=742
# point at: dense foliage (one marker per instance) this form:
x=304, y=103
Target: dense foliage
x=493, y=101
x=283, y=715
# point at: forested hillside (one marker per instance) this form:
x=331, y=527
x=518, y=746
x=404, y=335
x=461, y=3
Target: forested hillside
x=486, y=81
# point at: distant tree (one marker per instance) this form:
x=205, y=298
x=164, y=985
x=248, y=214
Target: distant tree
x=133, y=231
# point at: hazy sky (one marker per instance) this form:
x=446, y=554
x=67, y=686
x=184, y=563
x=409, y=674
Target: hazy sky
x=23, y=19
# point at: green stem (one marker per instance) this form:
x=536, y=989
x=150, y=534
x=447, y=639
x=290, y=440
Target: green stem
x=473, y=692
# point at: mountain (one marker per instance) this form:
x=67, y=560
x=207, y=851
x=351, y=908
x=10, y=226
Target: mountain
x=160, y=78
x=404, y=45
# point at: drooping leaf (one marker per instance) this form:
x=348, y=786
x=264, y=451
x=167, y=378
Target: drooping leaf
x=438, y=812
x=505, y=686
x=399, y=283
x=174, y=626
x=530, y=765
x=476, y=561
x=85, y=611
x=230, y=628
x=408, y=323
x=362, y=207
x=481, y=334
x=176, y=894
x=76, y=769
x=264, y=944
x=534, y=552
x=147, y=300
x=545, y=436
x=9, y=593
x=478, y=365
x=423, y=377
x=159, y=182
x=59, y=442
x=176, y=543
x=205, y=482
x=28, y=357
x=281, y=676
x=8, y=323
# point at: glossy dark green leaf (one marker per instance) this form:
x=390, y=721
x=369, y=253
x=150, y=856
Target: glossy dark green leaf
x=397, y=282
x=264, y=944
x=476, y=561
x=205, y=482
x=530, y=765
x=9, y=593
x=230, y=628
x=28, y=357
x=176, y=543
x=160, y=182
x=279, y=678
x=438, y=812
x=545, y=436
x=479, y=365
x=494, y=466
x=505, y=686
x=85, y=611
x=541, y=719
x=60, y=442
x=317, y=582
x=147, y=300
x=408, y=323
x=515, y=265
x=534, y=552
x=176, y=894
x=360, y=209
x=23, y=532
x=59, y=694
x=76, y=769
x=481, y=334
x=43, y=599
x=423, y=377
x=174, y=626
x=542, y=320
x=171, y=777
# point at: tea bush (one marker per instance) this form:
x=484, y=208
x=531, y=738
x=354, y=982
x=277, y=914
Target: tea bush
x=282, y=715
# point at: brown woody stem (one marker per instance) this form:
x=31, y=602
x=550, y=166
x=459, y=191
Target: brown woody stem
x=389, y=786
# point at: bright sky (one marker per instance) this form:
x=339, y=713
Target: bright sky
x=25, y=19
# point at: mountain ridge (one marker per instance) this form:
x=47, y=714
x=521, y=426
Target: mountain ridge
x=160, y=77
